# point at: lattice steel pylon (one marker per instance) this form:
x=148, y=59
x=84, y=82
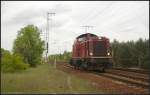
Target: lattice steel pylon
x=47, y=35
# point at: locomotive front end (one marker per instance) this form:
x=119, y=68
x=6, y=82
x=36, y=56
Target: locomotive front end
x=100, y=56
x=91, y=52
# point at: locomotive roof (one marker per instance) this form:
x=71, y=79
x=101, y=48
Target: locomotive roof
x=84, y=35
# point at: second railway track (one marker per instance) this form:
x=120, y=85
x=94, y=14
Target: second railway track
x=132, y=75
x=127, y=80
x=130, y=78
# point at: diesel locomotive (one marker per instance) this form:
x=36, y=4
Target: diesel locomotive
x=91, y=52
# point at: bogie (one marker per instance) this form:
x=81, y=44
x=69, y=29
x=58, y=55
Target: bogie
x=85, y=65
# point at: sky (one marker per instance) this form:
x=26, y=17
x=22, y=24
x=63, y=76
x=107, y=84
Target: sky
x=120, y=20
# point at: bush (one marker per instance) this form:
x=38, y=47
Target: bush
x=12, y=62
x=18, y=63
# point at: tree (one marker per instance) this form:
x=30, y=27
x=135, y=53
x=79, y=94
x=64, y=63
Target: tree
x=131, y=53
x=142, y=47
x=29, y=45
x=141, y=51
x=61, y=57
x=125, y=55
x=115, y=47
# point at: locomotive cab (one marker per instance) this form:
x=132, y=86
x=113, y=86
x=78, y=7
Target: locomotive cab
x=91, y=52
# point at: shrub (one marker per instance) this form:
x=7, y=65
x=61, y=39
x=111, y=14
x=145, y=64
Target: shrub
x=12, y=62
x=18, y=63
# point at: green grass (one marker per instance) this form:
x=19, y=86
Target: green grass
x=44, y=79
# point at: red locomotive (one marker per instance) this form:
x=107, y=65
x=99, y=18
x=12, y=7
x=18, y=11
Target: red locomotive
x=91, y=52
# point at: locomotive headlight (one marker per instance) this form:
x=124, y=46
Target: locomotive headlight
x=108, y=53
x=91, y=53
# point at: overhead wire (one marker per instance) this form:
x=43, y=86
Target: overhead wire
x=92, y=16
x=97, y=13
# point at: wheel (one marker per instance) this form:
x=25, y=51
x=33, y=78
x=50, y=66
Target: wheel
x=103, y=69
x=70, y=62
x=109, y=65
x=75, y=67
x=84, y=66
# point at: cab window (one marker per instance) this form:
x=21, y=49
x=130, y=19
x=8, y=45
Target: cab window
x=82, y=39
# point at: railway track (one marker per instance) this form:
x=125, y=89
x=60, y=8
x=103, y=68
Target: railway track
x=129, y=78
x=133, y=70
x=133, y=75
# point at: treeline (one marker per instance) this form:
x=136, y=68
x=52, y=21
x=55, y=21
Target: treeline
x=131, y=53
x=27, y=50
x=60, y=57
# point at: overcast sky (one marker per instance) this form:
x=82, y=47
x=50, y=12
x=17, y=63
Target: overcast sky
x=121, y=20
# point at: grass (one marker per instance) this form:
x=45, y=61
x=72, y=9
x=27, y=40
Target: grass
x=44, y=79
